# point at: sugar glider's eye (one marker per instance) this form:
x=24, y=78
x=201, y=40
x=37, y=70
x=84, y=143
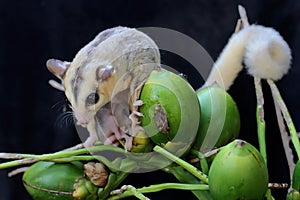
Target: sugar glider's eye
x=92, y=99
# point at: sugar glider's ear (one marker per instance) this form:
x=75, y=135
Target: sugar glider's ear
x=57, y=67
x=57, y=85
x=105, y=72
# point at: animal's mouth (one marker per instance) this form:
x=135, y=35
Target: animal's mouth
x=82, y=123
x=83, y=120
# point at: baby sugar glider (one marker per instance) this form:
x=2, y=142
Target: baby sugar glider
x=104, y=80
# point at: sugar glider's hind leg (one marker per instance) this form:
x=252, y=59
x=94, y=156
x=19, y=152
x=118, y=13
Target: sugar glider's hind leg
x=106, y=127
x=120, y=110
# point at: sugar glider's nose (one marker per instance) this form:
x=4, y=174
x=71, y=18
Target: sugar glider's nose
x=82, y=121
x=82, y=117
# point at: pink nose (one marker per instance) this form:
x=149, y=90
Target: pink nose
x=82, y=122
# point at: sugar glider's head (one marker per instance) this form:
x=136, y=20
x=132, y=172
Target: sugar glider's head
x=89, y=81
x=82, y=87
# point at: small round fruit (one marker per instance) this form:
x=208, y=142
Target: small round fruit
x=238, y=172
x=48, y=180
x=171, y=109
x=220, y=119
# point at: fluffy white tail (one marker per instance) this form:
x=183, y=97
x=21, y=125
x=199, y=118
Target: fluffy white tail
x=263, y=51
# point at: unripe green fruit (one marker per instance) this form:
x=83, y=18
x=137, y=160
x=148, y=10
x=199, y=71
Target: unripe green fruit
x=48, y=180
x=219, y=120
x=171, y=109
x=141, y=143
x=238, y=172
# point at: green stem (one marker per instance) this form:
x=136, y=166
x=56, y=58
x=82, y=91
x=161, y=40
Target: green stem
x=261, y=125
x=17, y=163
x=185, y=177
x=132, y=191
x=269, y=195
x=190, y=168
x=261, y=130
x=160, y=187
x=31, y=158
x=285, y=140
x=202, y=159
x=286, y=115
x=113, y=182
x=136, y=193
x=103, y=159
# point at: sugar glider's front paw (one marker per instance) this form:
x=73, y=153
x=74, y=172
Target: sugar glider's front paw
x=90, y=141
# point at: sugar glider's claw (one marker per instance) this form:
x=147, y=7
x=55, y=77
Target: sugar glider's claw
x=90, y=141
x=134, y=117
x=111, y=140
x=137, y=103
x=128, y=142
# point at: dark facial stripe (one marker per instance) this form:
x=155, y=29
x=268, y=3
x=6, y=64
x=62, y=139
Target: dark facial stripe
x=76, y=82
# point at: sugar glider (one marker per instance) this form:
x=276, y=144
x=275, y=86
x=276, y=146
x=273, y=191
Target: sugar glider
x=103, y=82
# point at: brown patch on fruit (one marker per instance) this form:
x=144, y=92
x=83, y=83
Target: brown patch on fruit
x=160, y=119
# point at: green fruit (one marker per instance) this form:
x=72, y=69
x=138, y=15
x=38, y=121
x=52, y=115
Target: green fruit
x=296, y=177
x=293, y=195
x=171, y=109
x=85, y=189
x=141, y=143
x=48, y=180
x=220, y=119
x=238, y=172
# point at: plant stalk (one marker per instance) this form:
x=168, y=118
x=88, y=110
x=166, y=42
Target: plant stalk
x=190, y=168
x=160, y=187
x=261, y=124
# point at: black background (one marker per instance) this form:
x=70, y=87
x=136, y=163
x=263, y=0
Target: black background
x=34, y=30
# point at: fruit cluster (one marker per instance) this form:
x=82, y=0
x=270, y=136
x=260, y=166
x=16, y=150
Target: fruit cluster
x=235, y=169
